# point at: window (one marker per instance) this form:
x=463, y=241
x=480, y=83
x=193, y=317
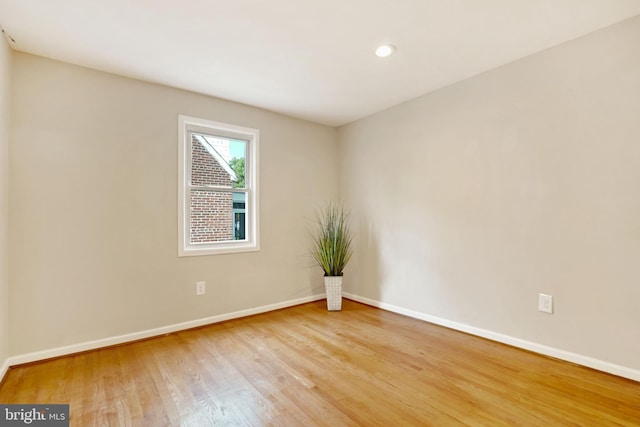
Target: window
x=217, y=188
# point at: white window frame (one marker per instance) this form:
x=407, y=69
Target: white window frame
x=186, y=126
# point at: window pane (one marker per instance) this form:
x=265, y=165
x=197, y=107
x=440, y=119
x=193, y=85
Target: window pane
x=238, y=153
x=239, y=216
x=211, y=216
x=217, y=161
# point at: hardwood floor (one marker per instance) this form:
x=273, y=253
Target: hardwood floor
x=306, y=366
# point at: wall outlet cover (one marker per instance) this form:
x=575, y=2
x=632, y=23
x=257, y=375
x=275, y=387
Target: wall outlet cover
x=201, y=288
x=545, y=303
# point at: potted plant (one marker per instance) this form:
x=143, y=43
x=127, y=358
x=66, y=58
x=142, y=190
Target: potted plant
x=332, y=250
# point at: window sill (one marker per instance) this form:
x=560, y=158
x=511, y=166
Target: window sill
x=218, y=249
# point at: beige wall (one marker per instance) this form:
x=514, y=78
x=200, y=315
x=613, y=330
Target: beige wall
x=471, y=200
x=94, y=217
x=5, y=86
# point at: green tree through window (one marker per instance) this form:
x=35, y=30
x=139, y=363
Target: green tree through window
x=237, y=164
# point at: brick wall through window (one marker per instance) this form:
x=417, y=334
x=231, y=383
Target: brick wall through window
x=211, y=211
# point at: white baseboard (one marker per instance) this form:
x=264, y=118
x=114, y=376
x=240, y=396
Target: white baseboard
x=3, y=369
x=121, y=339
x=579, y=359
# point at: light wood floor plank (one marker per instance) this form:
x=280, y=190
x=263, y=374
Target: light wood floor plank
x=306, y=366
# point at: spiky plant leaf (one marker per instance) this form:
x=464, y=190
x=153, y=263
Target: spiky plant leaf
x=332, y=240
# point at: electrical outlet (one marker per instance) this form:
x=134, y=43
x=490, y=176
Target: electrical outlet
x=201, y=288
x=545, y=303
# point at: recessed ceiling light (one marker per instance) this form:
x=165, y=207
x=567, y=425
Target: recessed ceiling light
x=385, y=50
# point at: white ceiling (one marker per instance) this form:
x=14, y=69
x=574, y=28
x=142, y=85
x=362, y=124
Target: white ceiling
x=312, y=59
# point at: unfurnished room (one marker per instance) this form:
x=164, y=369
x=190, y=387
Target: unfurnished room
x=320, y=213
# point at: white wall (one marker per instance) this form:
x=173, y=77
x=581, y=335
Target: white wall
x=94, y=216
x=471, y=200
x=5, y=86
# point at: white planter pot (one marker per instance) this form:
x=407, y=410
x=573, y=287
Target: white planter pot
x=333, y=285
